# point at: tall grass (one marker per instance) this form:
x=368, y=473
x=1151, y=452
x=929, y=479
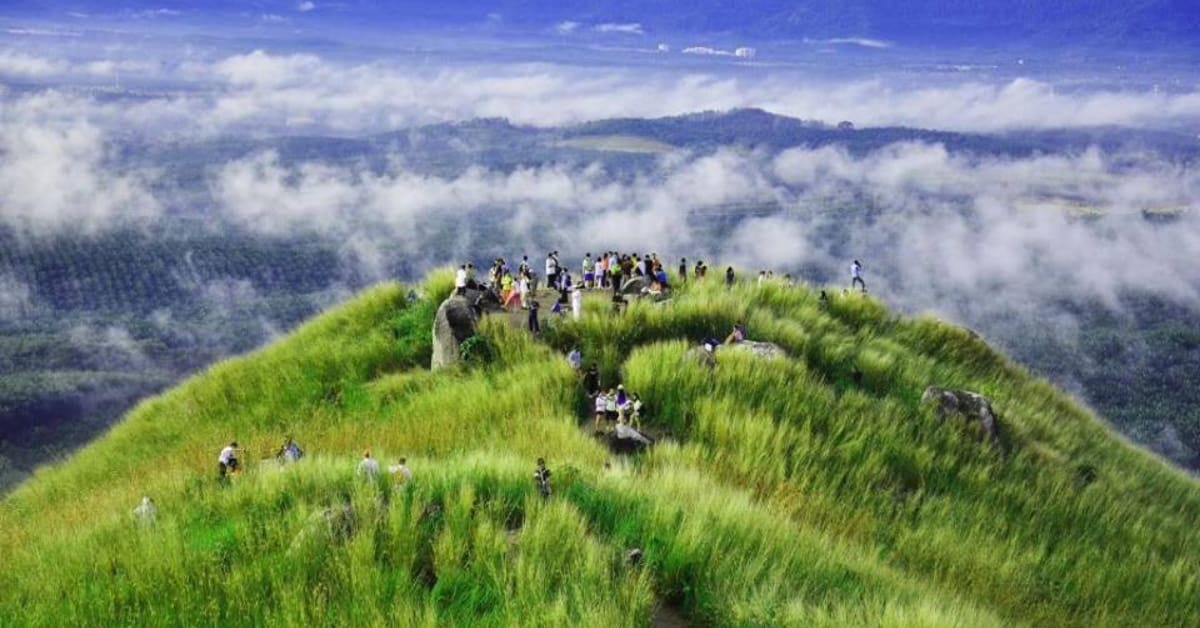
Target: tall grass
x=791, y=493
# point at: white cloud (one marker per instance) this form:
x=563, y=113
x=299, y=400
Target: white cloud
x=273, y=18
x=624, y=28
x=42, y=32
x=567, y=27
x=306, y=6
x=156, y=13
x=742, y=52
x=29, y=66
x=56, y=174
x=270, y=93
x=864, y=42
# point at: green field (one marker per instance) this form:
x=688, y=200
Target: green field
x=788, y=494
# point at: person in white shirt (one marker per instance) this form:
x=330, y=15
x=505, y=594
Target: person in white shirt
x=400, y=473
x=856, y=276
x=589, y=272
x=227, y=461
x=460, y=280
x=523, y=290
x=577, y=302
x=146, y=514
x=601, y=409
x=575, y=358
x=551, y=271
x=368, y=467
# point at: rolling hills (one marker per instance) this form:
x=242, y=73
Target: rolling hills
x=787, y=491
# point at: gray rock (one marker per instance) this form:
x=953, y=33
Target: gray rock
x=634, y=285
x=702, y=355
x=765, y=350
x=453, y=323
x=482, y=300
x=969, y=406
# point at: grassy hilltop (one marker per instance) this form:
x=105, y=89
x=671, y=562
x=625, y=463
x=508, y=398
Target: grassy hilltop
x=790, y=494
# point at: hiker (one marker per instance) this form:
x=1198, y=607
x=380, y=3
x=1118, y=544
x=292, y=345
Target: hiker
x=541, y=476
x=400, y=473
x=683, y=270
x=762, y=277
x=737, y=335
x=564, y=287
x=227, y=461
x=729, y=277
x=146, y=513
x=591, y=380
x=577, y=302
x=622, y=398
x=534, y=327
x=635, y=416
x=610, y=405
x=289, y=452
x=660, y=276
x=523, y=283
x=823, y=300
x=856, y=276
x=575, y=359
x=509, y=291
x=460, y=280
x=551, y=271
x=601, y=404
x=589, y=271
x=368, y=467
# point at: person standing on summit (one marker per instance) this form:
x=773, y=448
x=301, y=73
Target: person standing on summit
x=551, y=271
x=460, y=280
x=856, y=276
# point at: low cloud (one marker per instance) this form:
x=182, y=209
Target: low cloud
x=265, y=94
x=20, y=65
x=16, y=299
x=57, y=174
x=932, y=226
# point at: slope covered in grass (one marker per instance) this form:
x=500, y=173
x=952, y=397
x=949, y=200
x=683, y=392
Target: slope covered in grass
x=789, y=493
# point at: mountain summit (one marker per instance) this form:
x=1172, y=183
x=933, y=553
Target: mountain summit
x=807, y=485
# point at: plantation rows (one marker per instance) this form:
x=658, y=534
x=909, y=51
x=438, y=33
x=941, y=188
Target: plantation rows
x=133, y=271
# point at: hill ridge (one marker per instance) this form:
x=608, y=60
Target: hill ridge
x=791, y=492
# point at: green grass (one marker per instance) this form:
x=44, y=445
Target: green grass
x=789, y=494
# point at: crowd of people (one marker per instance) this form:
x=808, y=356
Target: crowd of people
x=612, y=406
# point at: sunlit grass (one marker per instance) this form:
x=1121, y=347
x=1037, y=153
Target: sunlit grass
x=791, y=492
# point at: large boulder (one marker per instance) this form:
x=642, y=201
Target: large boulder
x=634, y=285
x=482, y=300
x=453, y=324
x=764, y=350
x=968, y=406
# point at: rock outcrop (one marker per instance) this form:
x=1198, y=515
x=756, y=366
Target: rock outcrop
x=482, y=300
x=969, y=406
x=453, y=323
x=634, y=285
x=765, y=350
